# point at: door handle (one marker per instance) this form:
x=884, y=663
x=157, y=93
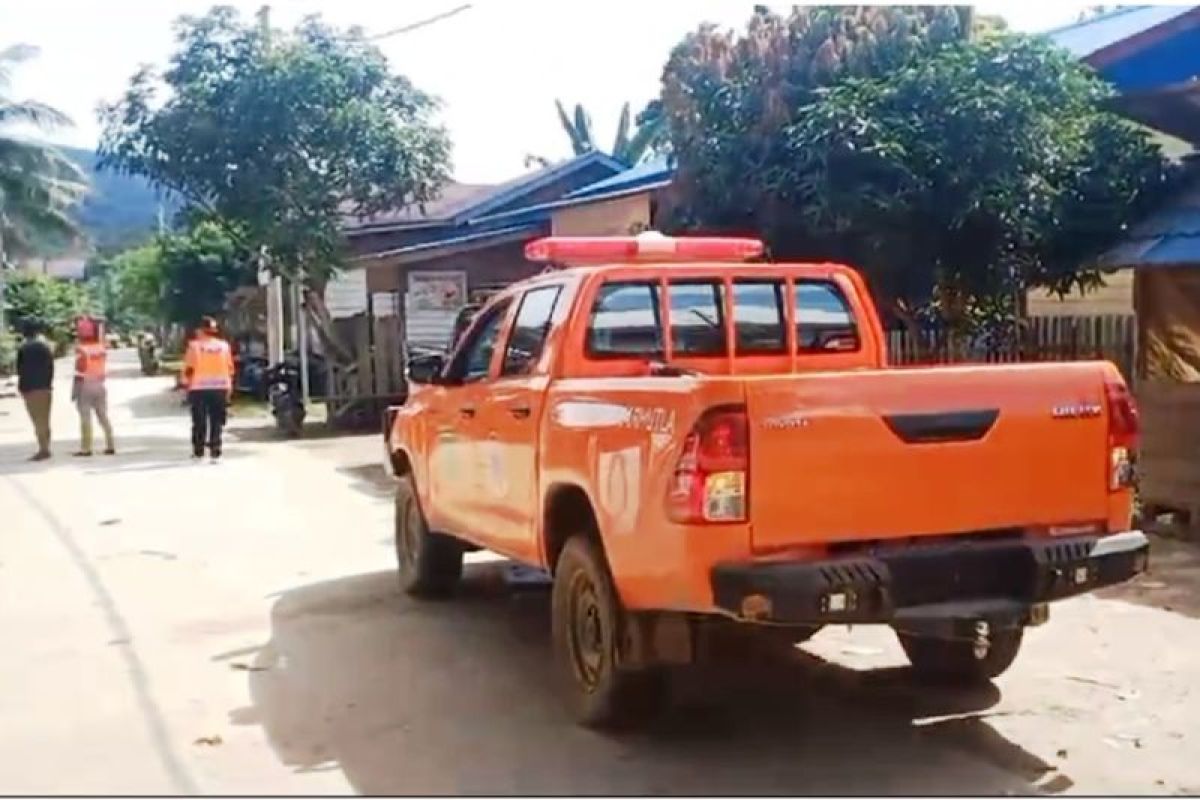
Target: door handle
x=520, y=412
x=467, y=411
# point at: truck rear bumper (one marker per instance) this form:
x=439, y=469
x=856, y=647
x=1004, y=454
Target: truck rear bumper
x=1003, y=579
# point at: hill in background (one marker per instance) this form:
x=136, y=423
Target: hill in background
x=119, y=209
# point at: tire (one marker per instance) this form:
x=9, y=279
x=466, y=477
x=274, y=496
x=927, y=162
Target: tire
x=954, y=662
x=430, y=564
x=586, y=621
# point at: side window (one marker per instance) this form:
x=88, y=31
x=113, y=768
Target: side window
x=697, y=318
x=473, y=360
x=824, y=322
x=529, y=330
x=625, y=321
x=758, y=316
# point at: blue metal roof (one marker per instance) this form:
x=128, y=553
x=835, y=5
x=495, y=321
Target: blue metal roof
x=531, y=183
x=1093, y=35
x=1168, y=238
x=513, y=231
x=650, y=172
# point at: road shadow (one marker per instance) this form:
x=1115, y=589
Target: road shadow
x=456, y=697
x=1172, y=583
x=166, y=402
x=134, y=454
x=371, y=480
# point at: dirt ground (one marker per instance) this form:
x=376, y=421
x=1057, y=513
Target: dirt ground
x=183, y=628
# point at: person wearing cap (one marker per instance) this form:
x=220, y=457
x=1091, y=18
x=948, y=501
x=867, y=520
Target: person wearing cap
x=208, y=377
x=88, y=390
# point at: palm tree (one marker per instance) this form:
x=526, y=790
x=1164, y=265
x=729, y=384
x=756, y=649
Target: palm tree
x=626, y=148
x=38, y=184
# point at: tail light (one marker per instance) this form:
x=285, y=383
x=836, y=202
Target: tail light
x=712, y=474
x=1123, y=432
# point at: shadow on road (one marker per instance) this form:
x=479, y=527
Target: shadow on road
x=134, y=454
x=457, y=697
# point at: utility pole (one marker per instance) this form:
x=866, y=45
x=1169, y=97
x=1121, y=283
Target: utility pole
x=275, y=313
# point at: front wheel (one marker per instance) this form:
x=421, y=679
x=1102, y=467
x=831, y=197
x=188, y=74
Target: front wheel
x=586, y=620
x=958, y=661
x=431, y=564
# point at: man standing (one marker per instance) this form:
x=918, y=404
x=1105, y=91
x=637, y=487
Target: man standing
x=208, y=376
x=35, y=379
x=88, y=391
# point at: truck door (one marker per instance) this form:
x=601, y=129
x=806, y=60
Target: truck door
x=511, y=427
x=455, y=458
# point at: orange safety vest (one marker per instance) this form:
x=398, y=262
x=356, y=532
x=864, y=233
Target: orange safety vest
x=90, y=361
x=210, y=364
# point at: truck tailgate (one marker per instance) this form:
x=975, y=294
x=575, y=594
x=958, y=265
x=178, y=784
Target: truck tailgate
x=881, y=454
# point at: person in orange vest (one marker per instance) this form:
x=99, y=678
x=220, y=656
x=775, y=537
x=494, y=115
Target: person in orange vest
x=208, y=376
x=88, y=390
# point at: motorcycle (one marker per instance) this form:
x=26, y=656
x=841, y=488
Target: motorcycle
x=148, y=356
x=285, y=397
x=250, y=377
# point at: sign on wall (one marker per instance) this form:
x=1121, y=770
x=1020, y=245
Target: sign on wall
x=432, y=302
x=346, y=294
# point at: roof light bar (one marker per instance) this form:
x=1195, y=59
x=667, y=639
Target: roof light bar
x=650, y=246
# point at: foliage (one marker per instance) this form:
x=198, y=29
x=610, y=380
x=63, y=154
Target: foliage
x=955, y=173
x=128, y=288
x=8, y=352
x=49, y=302
x=628, y=149
x=38, y=185
x=176, y=278
x=277, y=135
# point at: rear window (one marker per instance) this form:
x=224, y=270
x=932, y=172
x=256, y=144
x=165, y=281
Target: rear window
x=758, y=317
x=824, y=322
x=625, y=321
x=697, y=318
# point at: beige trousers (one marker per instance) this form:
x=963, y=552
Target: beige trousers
x=93, y=399
x=37, y=403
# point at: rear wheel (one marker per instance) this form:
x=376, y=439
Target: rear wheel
x=430, y=563
x=586, y=618
x=957, y=661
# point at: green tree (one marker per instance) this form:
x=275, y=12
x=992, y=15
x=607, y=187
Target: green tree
x=128, y=287
x=38, y=185
x=178, y=277
x=955, y=173
x=277, y=136
x=631, y=144
x=52, y=303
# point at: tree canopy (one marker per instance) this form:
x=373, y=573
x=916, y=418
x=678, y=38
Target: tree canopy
x=38, y=185
x=178, y=277
x=278, y=135
x=954, y=170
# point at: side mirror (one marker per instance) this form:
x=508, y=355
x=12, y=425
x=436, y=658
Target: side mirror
x=426, y=369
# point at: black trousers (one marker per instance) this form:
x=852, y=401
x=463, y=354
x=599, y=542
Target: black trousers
x=208, y=418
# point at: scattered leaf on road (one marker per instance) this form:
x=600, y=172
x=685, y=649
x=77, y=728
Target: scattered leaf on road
x=208, y=741
x=107, y=522
x=1062, y=753
x=247, y=667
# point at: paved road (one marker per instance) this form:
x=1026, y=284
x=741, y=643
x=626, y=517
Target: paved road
x=171, y=627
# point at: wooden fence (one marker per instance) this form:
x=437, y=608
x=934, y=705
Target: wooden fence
x=1109, y=337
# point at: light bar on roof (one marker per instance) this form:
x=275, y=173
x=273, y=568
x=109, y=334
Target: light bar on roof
x=650, y=246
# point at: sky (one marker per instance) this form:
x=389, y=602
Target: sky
x=497, y=67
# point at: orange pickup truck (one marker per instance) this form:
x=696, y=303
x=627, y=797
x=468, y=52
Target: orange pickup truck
x=682, y=438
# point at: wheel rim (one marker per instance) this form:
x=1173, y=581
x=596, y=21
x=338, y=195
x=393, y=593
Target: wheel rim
x=586, y=632
x=407, y=543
